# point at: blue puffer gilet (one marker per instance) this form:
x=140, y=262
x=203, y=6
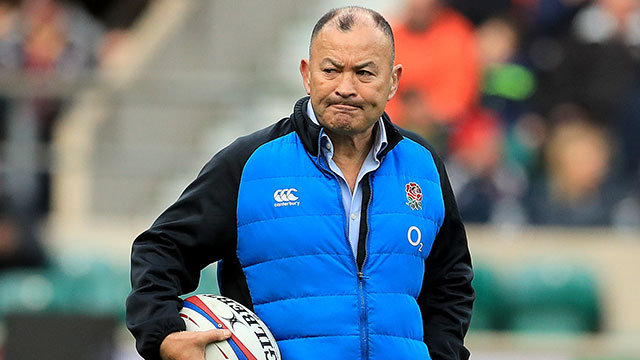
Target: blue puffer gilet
x=302, y=274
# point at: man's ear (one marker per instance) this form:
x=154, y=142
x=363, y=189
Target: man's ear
x=305, y=71
x=396, y=73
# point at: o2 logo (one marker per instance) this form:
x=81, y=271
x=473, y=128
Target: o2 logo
x=414, y=233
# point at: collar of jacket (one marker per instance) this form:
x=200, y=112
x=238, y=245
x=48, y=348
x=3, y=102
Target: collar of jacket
x=310, y=132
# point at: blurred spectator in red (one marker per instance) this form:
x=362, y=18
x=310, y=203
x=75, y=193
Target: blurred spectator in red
x=437, y=49
x=487, y=189
x=475, y=155
x=577, y=189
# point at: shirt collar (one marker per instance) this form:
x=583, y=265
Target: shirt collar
x=379, y=144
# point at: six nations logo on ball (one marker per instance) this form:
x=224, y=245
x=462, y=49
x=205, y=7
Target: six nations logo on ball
x=414, y=196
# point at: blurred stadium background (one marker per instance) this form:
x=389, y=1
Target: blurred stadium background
x=109, y=108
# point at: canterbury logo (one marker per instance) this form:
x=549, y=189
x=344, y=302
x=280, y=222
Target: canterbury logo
x=286, y=197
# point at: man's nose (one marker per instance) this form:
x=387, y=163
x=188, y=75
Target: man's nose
x=346, y=86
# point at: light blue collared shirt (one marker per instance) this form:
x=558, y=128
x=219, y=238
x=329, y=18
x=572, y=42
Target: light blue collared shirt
x=352, y=203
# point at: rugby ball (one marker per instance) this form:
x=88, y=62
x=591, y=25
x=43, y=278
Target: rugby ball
x=250, y=338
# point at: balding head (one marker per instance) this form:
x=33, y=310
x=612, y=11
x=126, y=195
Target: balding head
x=350, y=74
x=345, y=18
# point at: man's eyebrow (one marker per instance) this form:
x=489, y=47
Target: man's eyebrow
x=332, y=62
x=370, y=64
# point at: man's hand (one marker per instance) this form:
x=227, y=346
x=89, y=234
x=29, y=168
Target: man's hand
x=190, y=345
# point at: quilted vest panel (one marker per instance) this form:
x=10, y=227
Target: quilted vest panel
x=301, y=272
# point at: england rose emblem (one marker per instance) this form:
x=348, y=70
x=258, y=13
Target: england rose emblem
x=414, y=196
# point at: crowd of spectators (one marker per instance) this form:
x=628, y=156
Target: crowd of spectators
x=43, y=44
x=535, y=105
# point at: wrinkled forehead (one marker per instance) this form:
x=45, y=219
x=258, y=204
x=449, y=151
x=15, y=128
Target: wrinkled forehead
x=344, y=20
x=361, y=38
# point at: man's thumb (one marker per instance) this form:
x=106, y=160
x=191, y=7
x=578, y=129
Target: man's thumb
x=214, y=335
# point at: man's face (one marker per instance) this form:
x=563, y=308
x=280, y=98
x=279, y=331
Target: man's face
x=350, y=77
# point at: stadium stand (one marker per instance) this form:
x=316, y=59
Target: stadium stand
x=193, y=75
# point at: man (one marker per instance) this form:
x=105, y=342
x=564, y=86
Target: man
x=337, y=228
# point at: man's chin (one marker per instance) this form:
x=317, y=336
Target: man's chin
x=342, y=122
x=347, y=126
x=341, y=129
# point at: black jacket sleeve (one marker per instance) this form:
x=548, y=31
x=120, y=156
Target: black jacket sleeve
x=197, y=230
x=446, y=299
x=166, y=260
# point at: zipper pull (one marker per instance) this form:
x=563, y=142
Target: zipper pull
x=360, y=275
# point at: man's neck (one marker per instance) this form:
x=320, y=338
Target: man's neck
x=354, y=147
x=350, y=152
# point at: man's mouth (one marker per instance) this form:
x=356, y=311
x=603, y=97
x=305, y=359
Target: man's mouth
x=345, y=107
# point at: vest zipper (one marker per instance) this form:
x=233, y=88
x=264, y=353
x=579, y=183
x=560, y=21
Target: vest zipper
x=364, y=223
x=364, y=328
x=361, y=258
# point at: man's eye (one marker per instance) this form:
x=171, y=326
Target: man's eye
x=364, y=73
x=329, y=71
